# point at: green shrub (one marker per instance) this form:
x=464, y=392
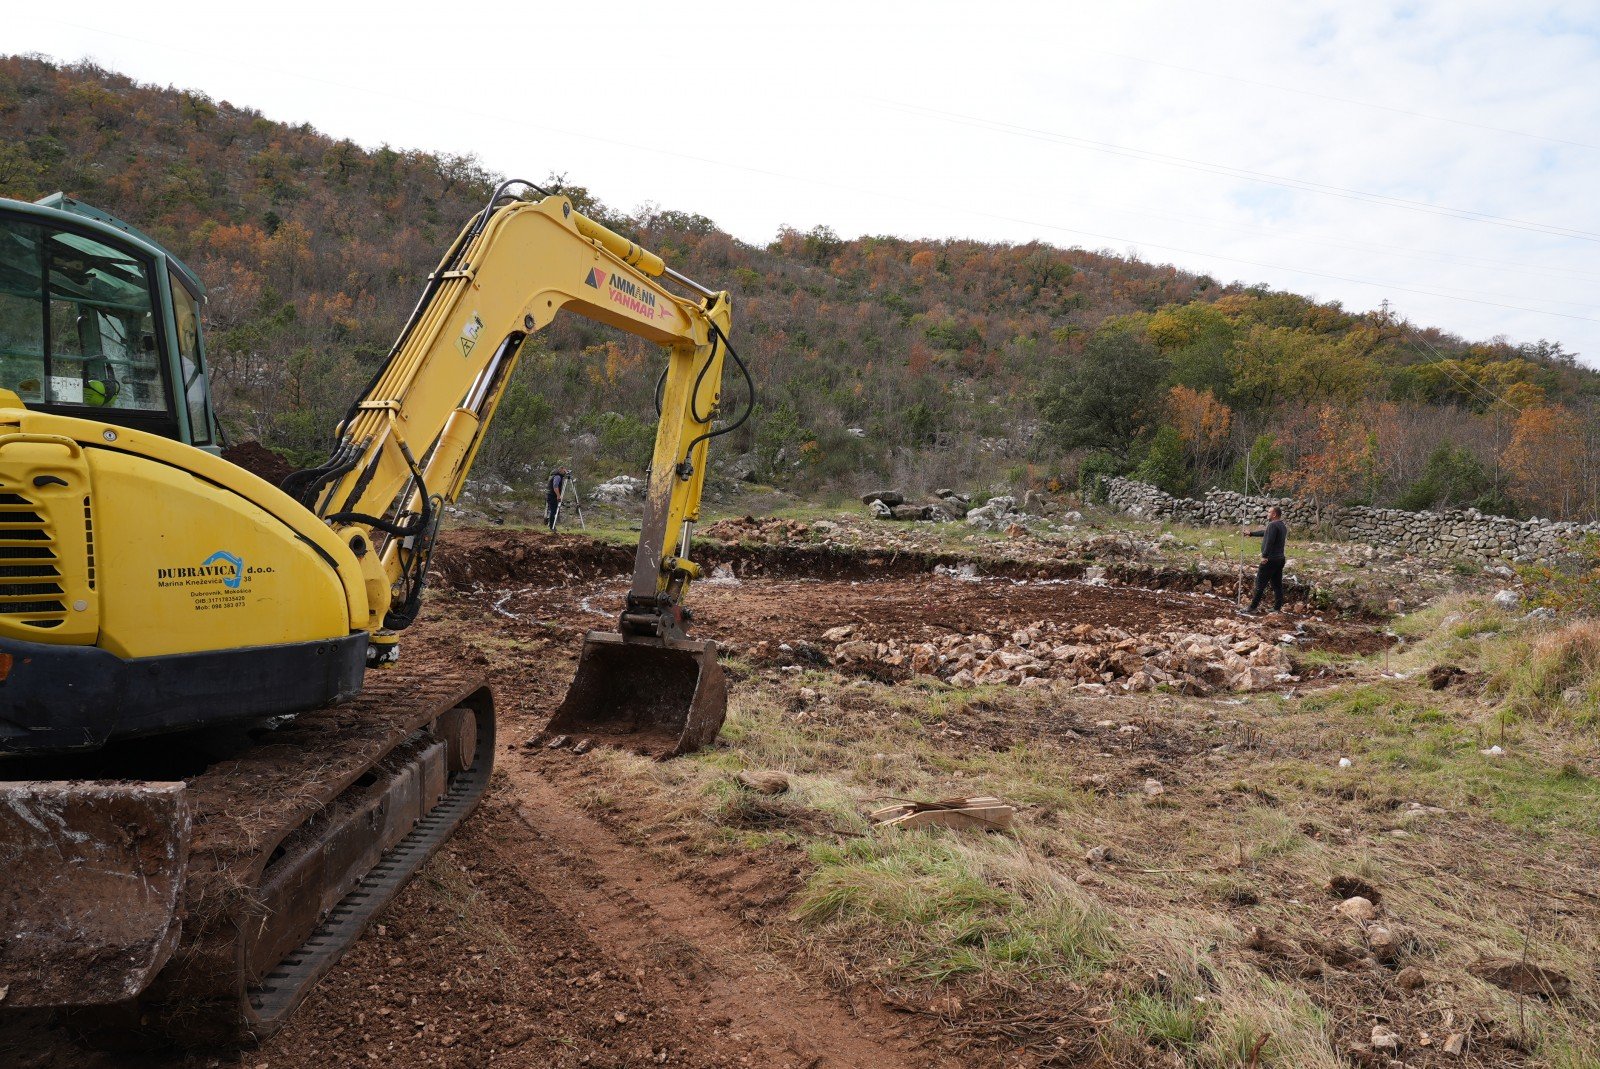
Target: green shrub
x=1253, y=473
x=1095, y=468
x=1455, y=478
x=1163, y=465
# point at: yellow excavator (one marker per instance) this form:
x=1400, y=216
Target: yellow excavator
x=216, y=766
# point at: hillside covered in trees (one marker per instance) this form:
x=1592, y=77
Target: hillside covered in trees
x=878, y=359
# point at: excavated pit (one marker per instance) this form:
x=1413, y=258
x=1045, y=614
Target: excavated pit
x=893, y=615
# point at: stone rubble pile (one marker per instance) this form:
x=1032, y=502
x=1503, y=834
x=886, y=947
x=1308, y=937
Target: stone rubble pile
x=770, y=529
x=891, y=505
x=1093, y=660
x=1115, y=547
x=490, y=496
x=1460, y=533
x=997, y=514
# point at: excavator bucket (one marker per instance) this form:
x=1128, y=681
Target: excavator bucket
x=653, y=696
x=90, y=875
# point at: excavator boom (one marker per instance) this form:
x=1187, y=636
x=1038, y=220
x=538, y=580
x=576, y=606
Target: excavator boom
x=405, y=447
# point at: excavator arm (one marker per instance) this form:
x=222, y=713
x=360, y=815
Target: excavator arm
x=408, y=442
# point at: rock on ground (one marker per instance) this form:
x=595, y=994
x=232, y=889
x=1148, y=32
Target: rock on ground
x=618, y=490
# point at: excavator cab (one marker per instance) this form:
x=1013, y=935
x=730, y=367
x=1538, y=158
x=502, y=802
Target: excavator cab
x=100, y=322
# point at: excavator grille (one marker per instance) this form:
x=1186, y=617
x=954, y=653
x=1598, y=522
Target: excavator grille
x=30, y=580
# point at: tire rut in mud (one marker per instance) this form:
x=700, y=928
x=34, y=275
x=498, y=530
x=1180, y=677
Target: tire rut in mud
x=699, y=958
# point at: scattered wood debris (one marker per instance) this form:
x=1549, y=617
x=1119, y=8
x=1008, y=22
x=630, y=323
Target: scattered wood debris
x=1522, y=977
x=980, y=813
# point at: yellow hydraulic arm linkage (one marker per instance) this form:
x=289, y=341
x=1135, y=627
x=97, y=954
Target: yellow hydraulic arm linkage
x=406, y=445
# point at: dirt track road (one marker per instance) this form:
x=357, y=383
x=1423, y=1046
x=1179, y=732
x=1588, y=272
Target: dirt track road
x=548, y=941
x=541, y=937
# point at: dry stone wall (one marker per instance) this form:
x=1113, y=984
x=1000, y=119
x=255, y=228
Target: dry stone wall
x=1463, y=533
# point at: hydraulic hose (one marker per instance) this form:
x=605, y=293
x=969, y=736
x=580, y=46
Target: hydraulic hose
x=401, y=530
x=749, y=407
x=451, y=259
x=694, y=394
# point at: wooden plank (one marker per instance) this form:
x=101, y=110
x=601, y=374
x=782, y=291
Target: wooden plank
x=982, y=812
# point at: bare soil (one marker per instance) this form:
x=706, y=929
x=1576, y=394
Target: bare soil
x=556, y=930
x=786, y=593
x=259, y=461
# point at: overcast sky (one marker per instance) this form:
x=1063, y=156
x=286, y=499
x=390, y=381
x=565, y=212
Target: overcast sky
x=1442, y=156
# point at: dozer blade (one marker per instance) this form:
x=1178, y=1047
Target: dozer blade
x=90, y=875
x=653, y=696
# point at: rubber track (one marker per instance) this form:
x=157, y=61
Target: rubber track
x=283, y=988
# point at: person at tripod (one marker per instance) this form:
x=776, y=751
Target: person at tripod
x=554, y=491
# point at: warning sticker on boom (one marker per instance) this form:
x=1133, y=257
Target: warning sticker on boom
x=469, y=334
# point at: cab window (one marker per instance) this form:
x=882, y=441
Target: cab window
x=77, y=322
x=186, y=316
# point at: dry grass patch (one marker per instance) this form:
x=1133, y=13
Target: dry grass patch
x=931, y=907
x=1147, y=953
x=1553, y=673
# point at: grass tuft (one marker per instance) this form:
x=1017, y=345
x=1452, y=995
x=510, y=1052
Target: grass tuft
x=1164, y=1021
x=945, y=909
x=1535, y=675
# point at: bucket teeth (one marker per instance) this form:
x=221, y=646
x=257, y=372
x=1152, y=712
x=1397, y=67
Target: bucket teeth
x=653, y=696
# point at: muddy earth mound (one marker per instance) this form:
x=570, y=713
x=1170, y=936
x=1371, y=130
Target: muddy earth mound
x=259, y=461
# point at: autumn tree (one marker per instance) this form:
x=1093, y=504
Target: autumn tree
x=1198, y=339
x=1329, y=454
x=1203, y=425
x=1552, y=461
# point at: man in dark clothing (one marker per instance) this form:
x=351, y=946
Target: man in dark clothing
x=554, y=491
x=1274, y=539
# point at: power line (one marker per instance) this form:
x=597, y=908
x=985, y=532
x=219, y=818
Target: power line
x=1462, y=378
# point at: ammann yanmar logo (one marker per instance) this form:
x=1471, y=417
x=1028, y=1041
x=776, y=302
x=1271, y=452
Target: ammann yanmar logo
x=624, y=291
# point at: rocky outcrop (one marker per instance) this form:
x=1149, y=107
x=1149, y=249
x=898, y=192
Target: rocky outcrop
x=618, y=490
x=1461, y=533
